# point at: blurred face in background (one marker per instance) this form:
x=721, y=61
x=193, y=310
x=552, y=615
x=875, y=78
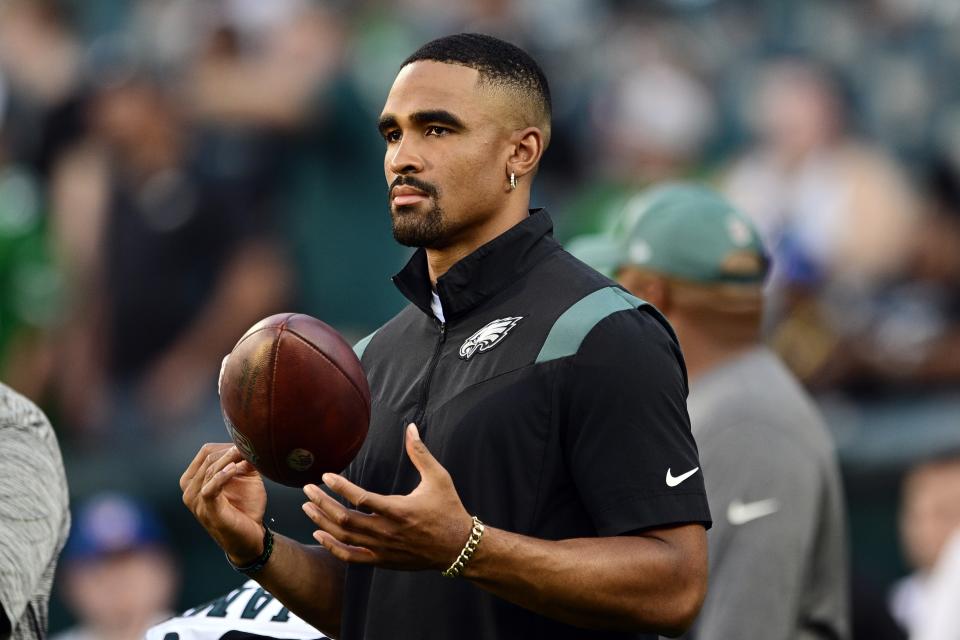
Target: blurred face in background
x=36, y=50
x=140, y=125
x=655, y=123
x=121, y=593
x=930, y=511
x=447, y=144
x=797, y=110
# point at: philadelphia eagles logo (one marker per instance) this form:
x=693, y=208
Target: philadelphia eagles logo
x=488, y=337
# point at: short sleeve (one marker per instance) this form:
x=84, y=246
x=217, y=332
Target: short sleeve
x=33, y=504
x=626, y=431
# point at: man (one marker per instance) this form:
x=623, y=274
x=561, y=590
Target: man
x=502, y=394
x=778, y=564
x=248, y=612
x=34, y=516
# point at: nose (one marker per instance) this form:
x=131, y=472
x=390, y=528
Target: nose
x=403, y=158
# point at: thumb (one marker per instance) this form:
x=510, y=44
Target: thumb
x=420, y=456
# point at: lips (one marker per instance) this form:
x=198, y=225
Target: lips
x=403, y=195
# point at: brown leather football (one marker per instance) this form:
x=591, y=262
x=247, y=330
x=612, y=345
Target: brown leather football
x=295, y=399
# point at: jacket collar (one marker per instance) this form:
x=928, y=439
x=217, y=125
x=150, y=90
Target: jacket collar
x=485, y=272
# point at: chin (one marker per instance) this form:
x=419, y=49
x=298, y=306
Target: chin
x=418, y=225
x=406, y=211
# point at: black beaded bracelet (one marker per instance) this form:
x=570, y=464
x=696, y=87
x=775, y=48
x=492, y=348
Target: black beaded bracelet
x=258, y=564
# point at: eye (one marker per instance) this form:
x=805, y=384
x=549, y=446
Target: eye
x=392, y=136
x=436, y=130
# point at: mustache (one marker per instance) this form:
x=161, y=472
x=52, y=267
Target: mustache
x=416, y=183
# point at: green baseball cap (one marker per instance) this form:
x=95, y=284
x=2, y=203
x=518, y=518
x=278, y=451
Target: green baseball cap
x=683, y=230
x=603, y=252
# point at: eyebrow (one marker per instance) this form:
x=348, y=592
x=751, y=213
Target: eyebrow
x=438, y=116
x=386, y=123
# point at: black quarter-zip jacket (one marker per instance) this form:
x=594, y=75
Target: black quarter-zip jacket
x=556, y=401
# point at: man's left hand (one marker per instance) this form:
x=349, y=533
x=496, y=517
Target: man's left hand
x=425, y=529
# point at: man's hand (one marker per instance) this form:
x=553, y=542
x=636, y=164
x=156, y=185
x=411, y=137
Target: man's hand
x=425, y=529
x=226, y=495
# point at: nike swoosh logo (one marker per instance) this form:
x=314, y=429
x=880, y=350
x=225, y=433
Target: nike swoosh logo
x=743, y=512
x=674, y=481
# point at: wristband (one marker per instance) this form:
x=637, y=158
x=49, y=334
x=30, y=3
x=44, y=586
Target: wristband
x=260, y=562
x=472, y=543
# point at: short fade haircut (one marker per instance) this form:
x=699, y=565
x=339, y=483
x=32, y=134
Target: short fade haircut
x=498, y=62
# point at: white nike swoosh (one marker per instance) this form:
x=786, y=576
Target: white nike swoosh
x=743, y=512
x=674, y=481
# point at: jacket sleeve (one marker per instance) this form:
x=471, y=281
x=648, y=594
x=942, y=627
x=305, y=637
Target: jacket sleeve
x=625, y=429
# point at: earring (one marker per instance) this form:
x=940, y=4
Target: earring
x=513, y=181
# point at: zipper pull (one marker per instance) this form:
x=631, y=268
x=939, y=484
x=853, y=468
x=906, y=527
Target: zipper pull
x=443, y=331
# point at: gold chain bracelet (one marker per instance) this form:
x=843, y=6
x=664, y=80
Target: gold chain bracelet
x=472, y=543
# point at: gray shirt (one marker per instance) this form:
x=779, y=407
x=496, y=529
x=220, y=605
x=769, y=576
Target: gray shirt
x=34, y=515
x=778, y=557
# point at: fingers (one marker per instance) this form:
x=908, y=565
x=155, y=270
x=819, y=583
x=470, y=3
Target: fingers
x=212, y=487
x=196, y=480
x=231, y=455
x=335, y=512
x=347, y=525
x=198, y=460
x=358, y=497
x=220, y=472
x=194, y=484
x=345, y=552
x=339, y=526
x=244, y=468
x=420, y=456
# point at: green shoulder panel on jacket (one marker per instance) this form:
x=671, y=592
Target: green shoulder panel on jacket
x=576, y=322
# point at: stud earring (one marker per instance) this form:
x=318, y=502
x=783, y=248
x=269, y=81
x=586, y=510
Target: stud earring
x=513, y=181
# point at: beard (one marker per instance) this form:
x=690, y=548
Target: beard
x=414, y=229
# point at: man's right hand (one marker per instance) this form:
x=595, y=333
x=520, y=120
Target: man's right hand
x=226, y=495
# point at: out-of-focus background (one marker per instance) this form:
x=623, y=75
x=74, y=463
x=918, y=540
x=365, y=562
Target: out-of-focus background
x=173, y=170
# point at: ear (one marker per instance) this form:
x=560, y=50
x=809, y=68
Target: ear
x=652, y=288
x=659, y=295
x=527, y=149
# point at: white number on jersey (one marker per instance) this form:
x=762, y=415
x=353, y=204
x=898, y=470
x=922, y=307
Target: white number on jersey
x=246, y=613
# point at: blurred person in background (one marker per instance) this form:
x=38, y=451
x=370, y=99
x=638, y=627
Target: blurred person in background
x=287, y=89
x=912, y=339
x=651, y=122
x=34, y=516
x=929, y=516
x=118, y=575
x=41, y=106
x=42, y=93
x=174, y=262
x=778, y=551
x=837, y=213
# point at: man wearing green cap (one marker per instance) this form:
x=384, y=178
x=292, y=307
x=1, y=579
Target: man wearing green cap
x=778, y=562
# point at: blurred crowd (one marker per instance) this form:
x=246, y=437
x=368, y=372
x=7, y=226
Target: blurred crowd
x=172, y=171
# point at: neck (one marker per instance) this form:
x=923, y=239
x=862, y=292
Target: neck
x=702, y=352
x=440, y=260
